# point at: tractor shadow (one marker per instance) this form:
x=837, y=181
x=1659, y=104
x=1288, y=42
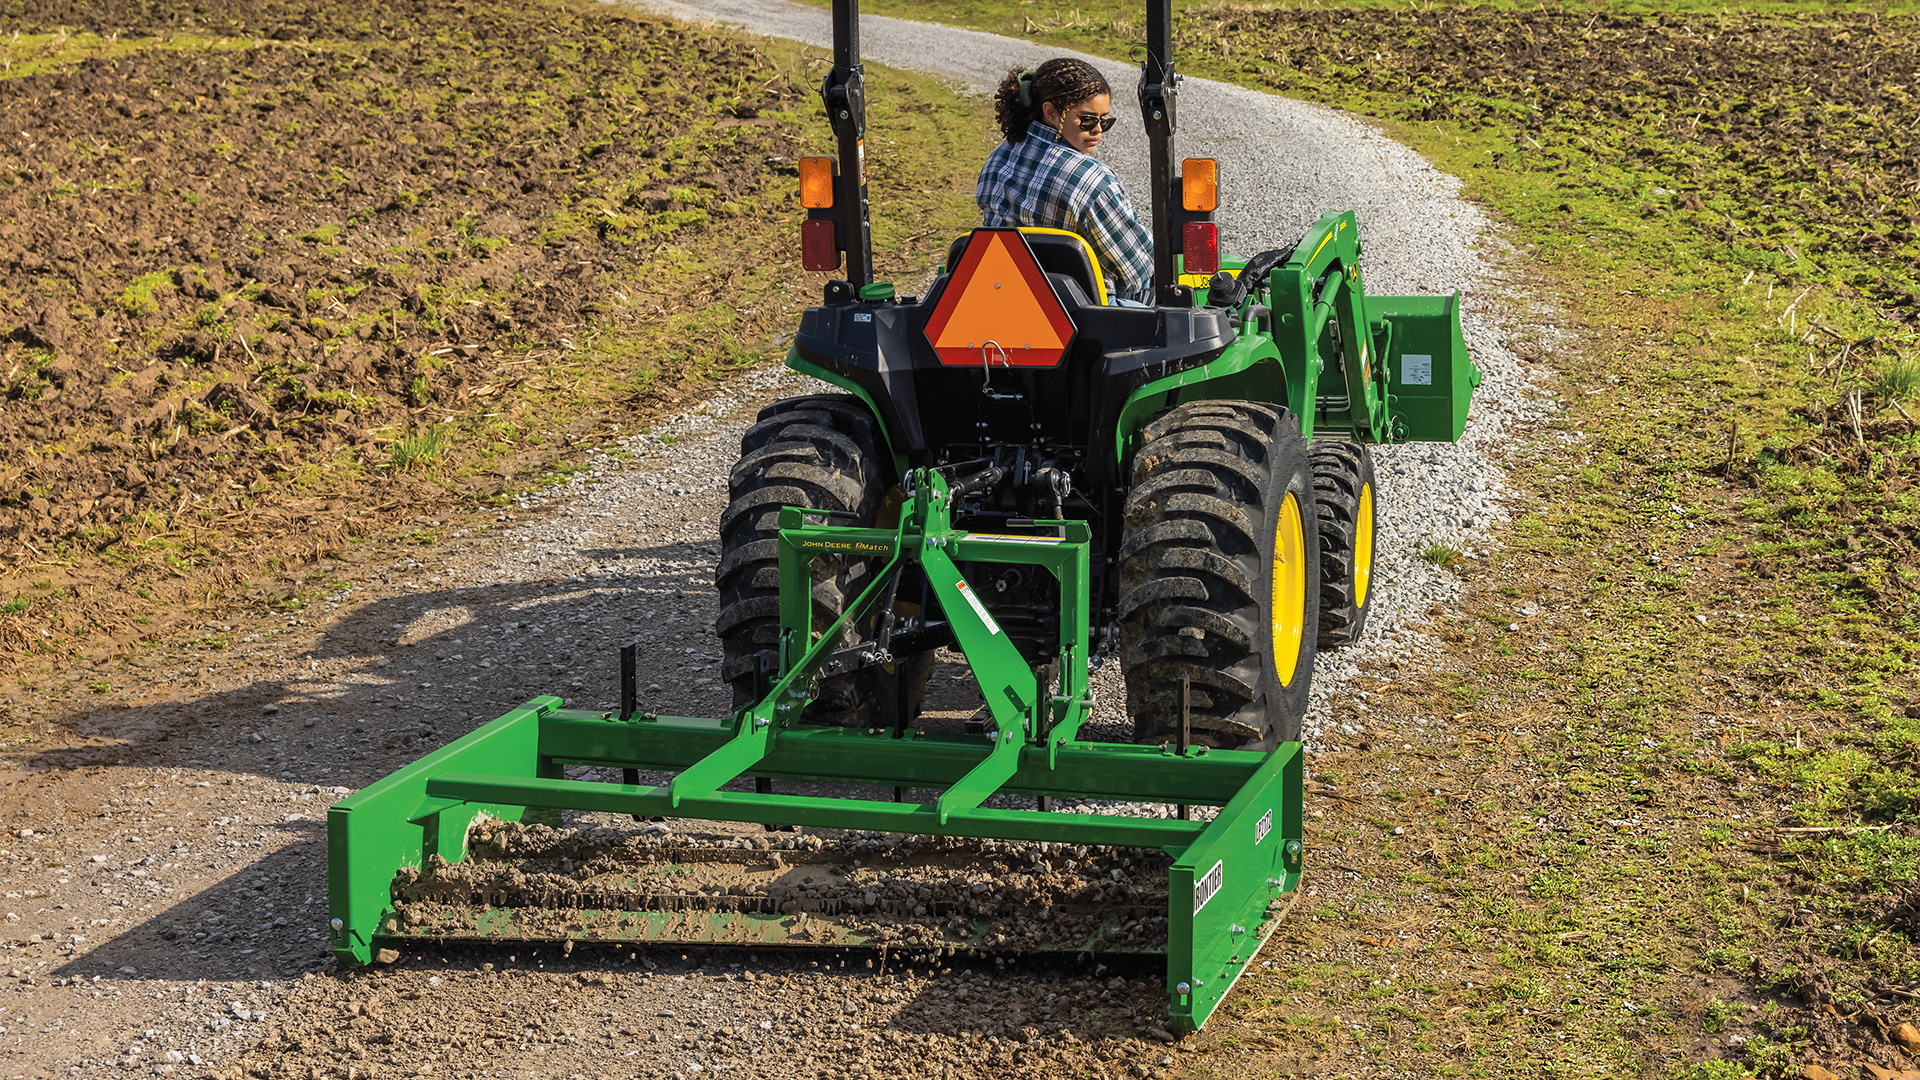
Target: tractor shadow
x=390, y=679
x=264, y=920
x=383, y=684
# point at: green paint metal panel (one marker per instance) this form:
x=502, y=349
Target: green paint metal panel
x=1429, y=374
x=1250, y=369
x=376, y=832
x=936, y=759
x=816, y=811
x=1220, y=887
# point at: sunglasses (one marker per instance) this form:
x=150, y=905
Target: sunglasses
x=1089, y=121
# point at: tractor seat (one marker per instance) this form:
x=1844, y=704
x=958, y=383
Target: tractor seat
x=1059, y=252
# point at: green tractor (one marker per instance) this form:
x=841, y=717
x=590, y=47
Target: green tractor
x=1013, y=468
x=1215, y=444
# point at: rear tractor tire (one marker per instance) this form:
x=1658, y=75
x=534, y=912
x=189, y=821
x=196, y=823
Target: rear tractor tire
x=1343, y=491
x=820, y=452
x=1220, y=576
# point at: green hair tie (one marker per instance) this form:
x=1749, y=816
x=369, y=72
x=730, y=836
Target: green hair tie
x=1026, y=87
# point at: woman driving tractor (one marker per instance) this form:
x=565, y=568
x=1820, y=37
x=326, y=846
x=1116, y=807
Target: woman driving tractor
x=1053, y=116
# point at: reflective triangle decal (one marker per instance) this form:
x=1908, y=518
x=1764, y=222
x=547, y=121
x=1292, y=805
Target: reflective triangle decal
x=998, y=308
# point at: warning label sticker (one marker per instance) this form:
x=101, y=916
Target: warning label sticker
x=979, y=608
x=1416, y=369
x=1011, y=538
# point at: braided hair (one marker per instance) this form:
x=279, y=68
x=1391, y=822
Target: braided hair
x=1063, y=82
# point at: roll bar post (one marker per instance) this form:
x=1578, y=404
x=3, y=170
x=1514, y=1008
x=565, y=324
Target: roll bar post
x=844, y=93
x=1159, y=86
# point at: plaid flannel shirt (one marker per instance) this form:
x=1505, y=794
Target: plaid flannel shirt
x=1041, y=181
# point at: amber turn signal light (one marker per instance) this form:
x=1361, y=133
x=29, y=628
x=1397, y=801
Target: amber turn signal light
x=1199, y=184
x=816, y=183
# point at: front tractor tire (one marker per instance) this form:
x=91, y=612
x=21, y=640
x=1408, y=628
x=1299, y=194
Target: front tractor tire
x=1343, y=492
x=820, y=452
x=1220, y=576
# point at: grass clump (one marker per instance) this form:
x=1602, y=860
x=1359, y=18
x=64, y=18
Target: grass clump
x=1900, y=382
x=419, y=451
x=138, y=300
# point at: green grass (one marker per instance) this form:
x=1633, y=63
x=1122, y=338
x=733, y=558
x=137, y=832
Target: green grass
x=1900, y=382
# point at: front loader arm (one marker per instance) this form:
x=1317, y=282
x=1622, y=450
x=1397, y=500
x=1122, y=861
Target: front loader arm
x=1320, y=317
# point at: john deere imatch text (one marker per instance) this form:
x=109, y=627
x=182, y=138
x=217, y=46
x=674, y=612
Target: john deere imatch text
x=1014, y=469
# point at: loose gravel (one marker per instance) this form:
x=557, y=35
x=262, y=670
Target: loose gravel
x=165, y=893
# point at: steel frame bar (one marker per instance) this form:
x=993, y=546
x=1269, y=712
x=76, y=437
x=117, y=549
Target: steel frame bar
x=819, y=811
x=1091, y=770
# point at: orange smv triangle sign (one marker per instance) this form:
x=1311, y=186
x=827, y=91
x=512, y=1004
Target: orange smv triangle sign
x=998, y=308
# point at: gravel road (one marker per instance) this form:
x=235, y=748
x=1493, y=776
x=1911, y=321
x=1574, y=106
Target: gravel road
x=165, y=877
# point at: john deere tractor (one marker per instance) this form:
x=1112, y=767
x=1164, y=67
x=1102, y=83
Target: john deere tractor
x=1216, y=445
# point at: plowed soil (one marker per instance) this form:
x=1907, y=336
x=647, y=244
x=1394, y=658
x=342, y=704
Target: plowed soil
x=1785, y=136
x=254, y=253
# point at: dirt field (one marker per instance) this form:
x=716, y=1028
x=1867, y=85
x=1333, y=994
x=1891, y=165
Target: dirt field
x=267, y=263
x=281, y=277
x=1777, y=133
x=266, y=260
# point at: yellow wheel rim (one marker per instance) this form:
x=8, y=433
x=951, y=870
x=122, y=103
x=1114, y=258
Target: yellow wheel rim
x=1289, y=606
x=1363, y=546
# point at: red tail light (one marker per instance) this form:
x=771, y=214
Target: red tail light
x=1200, y=245
x=818, y=250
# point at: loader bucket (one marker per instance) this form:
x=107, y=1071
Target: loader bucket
x=1430, y=379
x=440, y=850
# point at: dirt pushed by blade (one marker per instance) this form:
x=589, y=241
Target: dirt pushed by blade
x=657, y=883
